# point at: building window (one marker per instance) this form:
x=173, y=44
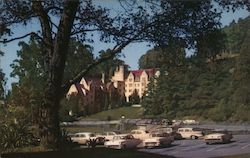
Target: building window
x=130, y=85
x=130, y=80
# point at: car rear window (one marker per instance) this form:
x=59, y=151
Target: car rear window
x=91, y=135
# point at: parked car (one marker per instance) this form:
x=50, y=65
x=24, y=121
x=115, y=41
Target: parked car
x=123, y=142
x=162, y=130
x=169, y=130
x=190, y=122
x=176, y=135
x=218, y=137
x=140, y=134
x=158, y=140
x=190, y=133
x=86, y=137
x=177, y=122
x=107, y=135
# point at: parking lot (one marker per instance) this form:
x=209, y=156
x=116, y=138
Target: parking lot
x=197, y=148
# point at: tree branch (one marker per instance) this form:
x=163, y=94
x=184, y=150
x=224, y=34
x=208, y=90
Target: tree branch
x=46, y=33
x=53, y=24
x=117, y=49
x=53, y=7
x=21, y=37
x=84, y=30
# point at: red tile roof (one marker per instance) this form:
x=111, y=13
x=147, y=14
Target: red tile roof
x=137, y=73
x=79, y=88
x=93, y=81
x=150, y=72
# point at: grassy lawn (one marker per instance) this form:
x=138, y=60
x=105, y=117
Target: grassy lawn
x=86, y=153
x=114, y=114
x=97, y=129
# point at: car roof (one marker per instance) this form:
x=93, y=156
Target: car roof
x=84, y=133
x=185, y=128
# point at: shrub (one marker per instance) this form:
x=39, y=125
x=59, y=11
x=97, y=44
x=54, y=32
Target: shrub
x=16, y=135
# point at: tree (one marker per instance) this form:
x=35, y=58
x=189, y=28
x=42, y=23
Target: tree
x=162, y=56
x=2, y=81
x=236, y=34
x=107, y=67
x=29, y=68
x=242, y=75
x=213, y=47
x=134, y=97
x=150, y=101
x=179, y=21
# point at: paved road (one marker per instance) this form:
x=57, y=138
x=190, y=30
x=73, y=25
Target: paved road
x=197, y=148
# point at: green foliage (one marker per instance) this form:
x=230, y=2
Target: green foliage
x=15, y=129
x=236, y=33
x=70, y=109
x=159, y=56
x=2, y=81
x=241, y=78
x=134, y=97
x=16, y=136
x=79, y=57
x=107, y=67
x=216, y=90
x=211, y=44
x=30, y=69
x=191, y=90
x=128, y=112
x=160, y=23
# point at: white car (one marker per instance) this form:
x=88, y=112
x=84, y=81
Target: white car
x=108, y=135
x=157, y=140
x=140, y=134
x=190, y=122
x=168, y=130
x=86, y=137
x=190, y=133
x=123, y=142
x=218, y=137
x=162, y=130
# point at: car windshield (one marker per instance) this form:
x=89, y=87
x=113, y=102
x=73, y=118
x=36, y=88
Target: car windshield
x=128, y=137
x=118, y=137
x=91, y=135
x=159, y=135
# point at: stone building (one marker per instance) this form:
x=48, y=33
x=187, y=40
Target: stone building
x=96, y=95
x=133, y=80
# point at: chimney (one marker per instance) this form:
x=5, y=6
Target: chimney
x=121, y=72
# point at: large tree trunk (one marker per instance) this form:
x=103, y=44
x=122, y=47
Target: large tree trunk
x=49, y=117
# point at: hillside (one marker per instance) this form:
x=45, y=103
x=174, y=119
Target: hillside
x=117, y=113
x=217, y=90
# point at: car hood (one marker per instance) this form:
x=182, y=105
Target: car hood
x=116, y=142
x=214, y=135
x=155, y=139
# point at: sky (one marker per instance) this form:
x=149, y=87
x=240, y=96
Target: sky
x=131, y=53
